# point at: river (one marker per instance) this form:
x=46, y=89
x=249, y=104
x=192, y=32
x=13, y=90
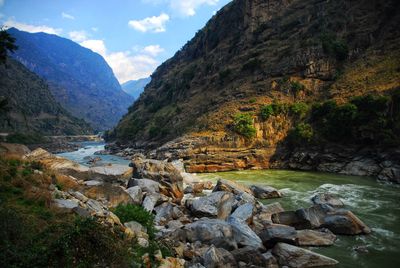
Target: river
x=377, y=204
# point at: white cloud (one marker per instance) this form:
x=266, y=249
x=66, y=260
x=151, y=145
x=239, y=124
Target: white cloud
x=188, y=7
x=151, y=24
x=67, y=16
x=78, y=36
x=153, y=50
x=32, y=28
x=125, y=66
x=94, y=29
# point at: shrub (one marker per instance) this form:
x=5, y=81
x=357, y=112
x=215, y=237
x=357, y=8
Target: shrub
x=296, y=87
x=243, y=125
x=302, y=133
x=334, y=47
x=299, y=109
x=266, y=112
x=127, y=213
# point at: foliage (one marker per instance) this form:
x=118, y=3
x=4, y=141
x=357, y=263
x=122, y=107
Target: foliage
x=7, y=43
x=334, y=47
x=127, y=213
x=266, y=112
x=296, y=87
x=299, y=109
x=243, y=125
x=26, y=138
x=302, y=133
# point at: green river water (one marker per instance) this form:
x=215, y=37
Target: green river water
x=377, y=204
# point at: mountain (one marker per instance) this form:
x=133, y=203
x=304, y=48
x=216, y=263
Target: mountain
x=32, y=107
x=280, y=51
x=135, y=87
x=80, y=80
x=263, y=79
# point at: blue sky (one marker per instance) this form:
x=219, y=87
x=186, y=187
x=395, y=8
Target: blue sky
x=134, y=36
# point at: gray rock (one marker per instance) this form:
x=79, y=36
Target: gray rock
x=150, y=201
x=81, y=197
x=83, y=212
x=205, y=230
x=135, y=227
x=96, y=208
x=148, y=186
x=65, y=204
x=243, y=235
x=231, y=187
x=265, y=192
x=219, y=258
x=217, y=204
x=93, y=183
x=293, y=256
x=276, y=233
x=244, y=212
x=250, y=256
x=315, y=238
x=167, y=212
x=327, y=198
x=136, y=194
x=345, y=223
x=175, y=224
x=270, y=260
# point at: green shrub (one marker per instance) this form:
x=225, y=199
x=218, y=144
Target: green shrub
x=299, y=109
x=266, y=112
x=280, y=108
x=127, y=213
x=296, y=87
x=243, y=125
x=302, y=133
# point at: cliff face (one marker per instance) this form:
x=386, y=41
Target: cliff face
x=292, y=54
x=80, y=80
x=31, y=106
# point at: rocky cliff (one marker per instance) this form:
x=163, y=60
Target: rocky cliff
x=30, y=106
x=80, y=80
x=264, y=75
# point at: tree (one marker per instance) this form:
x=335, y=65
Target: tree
x=7, y=43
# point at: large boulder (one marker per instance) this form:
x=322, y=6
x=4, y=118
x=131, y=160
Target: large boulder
x=254, y=258
x=345, y=223
x=293, y=256
x=275, y=233
x=136, y=194
x=243, y=234
x=315, y=238
x=167, y=212
x=169, y=177
x=206, y=230
x=111, y=173
x=231, y=187
x=219, y=258
x=147, y=186
x=265, y=192
x=244, y=212
x=327, y=198
x=111, y=194
x=150, y=201
x=216, y=205
x=13, y=150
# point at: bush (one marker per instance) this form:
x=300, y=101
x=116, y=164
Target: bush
x=334, y=47
x=243, y=125
x=266, y=112
x=127, y=213
x=299, y=109
x=296, y=87
x=302, y=133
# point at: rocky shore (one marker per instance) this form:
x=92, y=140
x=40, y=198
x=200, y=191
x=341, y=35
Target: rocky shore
x=204, y=225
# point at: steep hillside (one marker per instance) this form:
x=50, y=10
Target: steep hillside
x=135, y=87
x=79, y=79
x=255, y=52
x=31, y=106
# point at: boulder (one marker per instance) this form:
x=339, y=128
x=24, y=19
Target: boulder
x=219, y=258
x=217, y=204
x=13, y=150
x=136, y=194
x=327, y=198
x=66, y=204
x=345, y=223
x=169, y=177
x=270, y=260
x=206, y=230
x=231, y=187
x=167, y=212
x=243, y=235
x=96, y=208
x=276, y=233
x=147, y=186
x=293, y=256
x=111, y=173
x=244, y=212
x=315, y=238
x=113, y=195
x=265, y=192
x=150, y=201
x=135, y=227
x=250, y=256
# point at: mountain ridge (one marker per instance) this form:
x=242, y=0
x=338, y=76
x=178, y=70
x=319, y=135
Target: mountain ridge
x=135, y=87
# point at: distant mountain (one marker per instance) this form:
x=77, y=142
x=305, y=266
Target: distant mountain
x=135, y=87
x=31, y=106
x=79, y=79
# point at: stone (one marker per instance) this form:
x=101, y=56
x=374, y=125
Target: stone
x=269, y=260
x=231, y=187
x=293, y=256
x=13, y=149
x=250, y=256
x=170, y=262
x=206, y=230
x=165, y=173
x=244, y=212
x=219, y=258
x=143, y=242
x=83, y=212
x=217, y=204
x=93, y=183
x=96, y=208
x=114, y=195
x=147, y=186
x=276, y=233
x=150, y=201
x=78, y=195
x=167, y=212
x=327, y=198
x=345, y=223
x=65, y=204
x=111, y=172
x=175, y=224
x=136, y=194
x=265, y=192
x=135, y=227
x=314, y=238
x=243, y=234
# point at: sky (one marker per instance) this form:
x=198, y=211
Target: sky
x=133, y=36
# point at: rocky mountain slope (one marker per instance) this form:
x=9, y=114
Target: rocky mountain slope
x=30, y=105
x=135, y=87
x=264, y=77
x=79, y=79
